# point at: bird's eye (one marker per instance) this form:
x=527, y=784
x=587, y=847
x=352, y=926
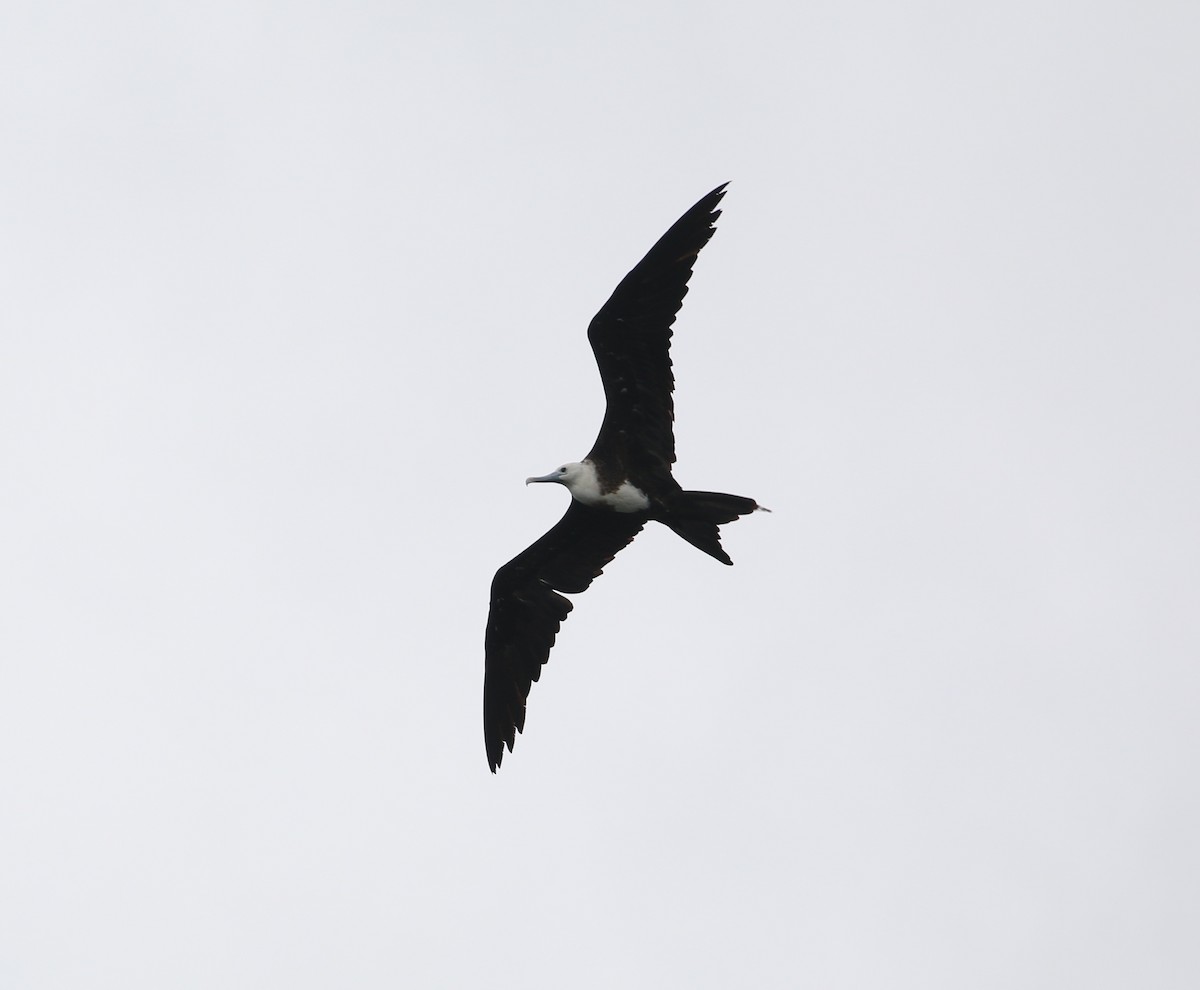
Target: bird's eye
x=563, y=469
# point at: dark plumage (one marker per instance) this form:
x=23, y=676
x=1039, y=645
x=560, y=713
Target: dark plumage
x=624, y=482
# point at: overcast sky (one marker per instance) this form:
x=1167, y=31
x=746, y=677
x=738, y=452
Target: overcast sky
x=293, y=298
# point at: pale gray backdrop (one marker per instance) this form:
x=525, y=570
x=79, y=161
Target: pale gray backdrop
x=294, y=298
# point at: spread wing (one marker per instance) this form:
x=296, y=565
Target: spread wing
x=631, y=337
x=527, y=611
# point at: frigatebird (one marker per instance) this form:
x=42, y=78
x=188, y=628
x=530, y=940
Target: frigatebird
x=624, y=482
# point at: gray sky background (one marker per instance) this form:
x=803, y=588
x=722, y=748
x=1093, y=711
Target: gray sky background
x=294, y=297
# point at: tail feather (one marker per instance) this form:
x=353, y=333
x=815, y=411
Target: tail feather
x=697, y=516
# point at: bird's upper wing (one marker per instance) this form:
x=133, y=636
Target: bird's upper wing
x=631, y=337
x=527, y=611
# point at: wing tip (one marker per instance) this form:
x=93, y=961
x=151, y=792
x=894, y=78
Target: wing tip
x=717, y=195
x=495, y=751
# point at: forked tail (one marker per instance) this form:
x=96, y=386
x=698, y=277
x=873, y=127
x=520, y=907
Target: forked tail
x=697, y=516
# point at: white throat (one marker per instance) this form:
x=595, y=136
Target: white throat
x=584, y=485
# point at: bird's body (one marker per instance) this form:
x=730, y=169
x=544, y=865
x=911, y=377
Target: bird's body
x=624, y=482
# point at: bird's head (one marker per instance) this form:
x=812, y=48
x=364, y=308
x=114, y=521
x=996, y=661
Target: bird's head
x=565, y=475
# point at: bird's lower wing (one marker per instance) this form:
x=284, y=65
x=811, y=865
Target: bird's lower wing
x=527, y=611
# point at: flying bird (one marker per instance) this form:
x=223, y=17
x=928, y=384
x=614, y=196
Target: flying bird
x=624, y=482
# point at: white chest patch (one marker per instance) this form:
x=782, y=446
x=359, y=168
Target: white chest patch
x=585, y=488
x=627, y=498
